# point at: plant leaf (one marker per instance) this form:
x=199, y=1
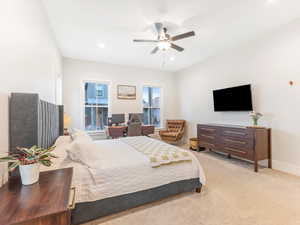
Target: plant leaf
x=34, y=153
x=25, y=151
x=46, y=162
x=8, y=159
x=43, y=157
x=47, y=150
x=53, y=155
x=12, y=166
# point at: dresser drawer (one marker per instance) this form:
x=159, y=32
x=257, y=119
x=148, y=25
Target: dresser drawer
x=209, y=130
x=239, y=143
x=209, y=145
x=210, y=138
x=237, y=133
x=243, y=153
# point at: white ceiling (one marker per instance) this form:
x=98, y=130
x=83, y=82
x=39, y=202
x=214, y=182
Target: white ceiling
x=81, y=25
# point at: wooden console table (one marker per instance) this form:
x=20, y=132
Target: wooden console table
x=43, y=203
x=251, y=143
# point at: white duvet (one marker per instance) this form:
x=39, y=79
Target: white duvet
x=119, y=169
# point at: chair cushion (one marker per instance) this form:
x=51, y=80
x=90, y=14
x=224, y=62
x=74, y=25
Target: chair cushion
x=169, y=134
x=175, y=125
x=174, y=129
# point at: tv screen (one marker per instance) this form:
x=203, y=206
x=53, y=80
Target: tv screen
x=233, y=99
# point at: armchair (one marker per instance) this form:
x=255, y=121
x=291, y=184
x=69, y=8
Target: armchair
x=134, y=129
x=174, y=131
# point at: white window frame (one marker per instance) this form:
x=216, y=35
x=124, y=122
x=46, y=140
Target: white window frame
x=161, y=104
x=108, y=83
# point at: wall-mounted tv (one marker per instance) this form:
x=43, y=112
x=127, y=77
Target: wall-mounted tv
x=233, y=99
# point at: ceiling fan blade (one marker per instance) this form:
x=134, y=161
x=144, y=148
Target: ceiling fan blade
x=176, y=47
x=154, y=50
x=158, y=27
x=141, y=40
x=181, y=36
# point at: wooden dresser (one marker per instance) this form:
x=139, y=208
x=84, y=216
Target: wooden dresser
x=251, y=143
x=43, y=203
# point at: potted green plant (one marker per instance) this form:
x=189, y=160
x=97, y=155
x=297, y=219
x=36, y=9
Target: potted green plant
x=28, y=160
x=255, y=117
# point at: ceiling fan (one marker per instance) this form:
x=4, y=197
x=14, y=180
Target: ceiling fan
x=165, y=41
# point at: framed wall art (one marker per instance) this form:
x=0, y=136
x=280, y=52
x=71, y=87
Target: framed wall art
x=126, y=92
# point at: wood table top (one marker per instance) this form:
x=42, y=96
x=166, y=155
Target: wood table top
x=49, y=196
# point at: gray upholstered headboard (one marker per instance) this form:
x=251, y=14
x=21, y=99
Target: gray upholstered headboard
x=33, y=121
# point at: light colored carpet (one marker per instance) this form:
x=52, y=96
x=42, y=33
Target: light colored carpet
x=234, y=195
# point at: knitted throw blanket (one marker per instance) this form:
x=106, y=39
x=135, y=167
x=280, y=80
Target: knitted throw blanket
x=159, y=153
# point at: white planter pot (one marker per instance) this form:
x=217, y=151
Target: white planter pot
x=29, y=173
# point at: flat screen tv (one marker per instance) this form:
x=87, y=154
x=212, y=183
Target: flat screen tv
x=233, y=99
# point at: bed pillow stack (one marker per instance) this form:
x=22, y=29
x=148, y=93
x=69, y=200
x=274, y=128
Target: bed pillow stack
x=82, y=149
x=80, y=134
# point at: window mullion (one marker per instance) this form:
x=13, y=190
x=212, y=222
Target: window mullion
x=150, y=106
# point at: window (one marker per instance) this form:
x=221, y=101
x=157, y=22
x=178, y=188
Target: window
x=100, y=93
x=151, y=105
x=95, y=106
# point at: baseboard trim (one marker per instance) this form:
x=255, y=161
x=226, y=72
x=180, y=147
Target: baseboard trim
x=286, y=167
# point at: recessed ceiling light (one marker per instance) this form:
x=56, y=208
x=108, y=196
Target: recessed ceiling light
x=101, y=45
x=172, y=58
x=271, y=1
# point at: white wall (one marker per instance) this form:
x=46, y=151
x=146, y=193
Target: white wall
x=76, y=71
x=29, y=59
x=268, y=64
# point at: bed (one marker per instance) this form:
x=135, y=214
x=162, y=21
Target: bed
x=122, y=178
x=112, y=175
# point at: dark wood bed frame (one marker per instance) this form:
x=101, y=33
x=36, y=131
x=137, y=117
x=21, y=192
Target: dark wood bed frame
x=36, y=122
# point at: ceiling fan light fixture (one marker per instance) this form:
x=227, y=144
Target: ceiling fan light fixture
x=164, y=45
x=164, y=41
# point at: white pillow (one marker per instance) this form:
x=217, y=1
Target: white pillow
x=84, y=138
x=78, y=134
x=83, y=151
x=61, y=144
x=62, y=140
x=60, y=152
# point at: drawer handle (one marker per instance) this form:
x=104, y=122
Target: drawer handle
x=208, y=129
x=235, y=132
x=206, y=136
x=235, y=150
x=238, y=142
x=72, y=205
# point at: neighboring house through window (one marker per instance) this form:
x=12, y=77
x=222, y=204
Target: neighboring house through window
x=151, y=106
x=95, y=106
